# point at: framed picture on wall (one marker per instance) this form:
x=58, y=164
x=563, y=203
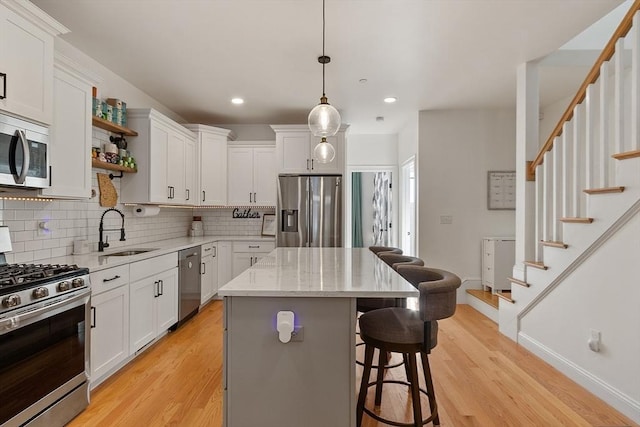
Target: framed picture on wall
x=268, y=224
x=501, y=190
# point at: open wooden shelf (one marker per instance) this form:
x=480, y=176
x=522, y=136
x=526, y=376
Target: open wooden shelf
x=110, y=166
x=112, y=127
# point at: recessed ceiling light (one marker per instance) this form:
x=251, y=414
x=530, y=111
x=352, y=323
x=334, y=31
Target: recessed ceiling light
x=237, y=101
x=390, y=100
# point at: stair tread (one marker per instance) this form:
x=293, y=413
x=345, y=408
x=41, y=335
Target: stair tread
x=518, y=282
x=577, y=220
x=536, y=264
x=604, y=190
x=627, y=155
x=485, y=296
x=554, y=244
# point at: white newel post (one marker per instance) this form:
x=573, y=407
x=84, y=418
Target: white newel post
x=527, y=122
x=635, y=83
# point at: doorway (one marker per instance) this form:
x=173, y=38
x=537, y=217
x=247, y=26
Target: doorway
x=370, y=211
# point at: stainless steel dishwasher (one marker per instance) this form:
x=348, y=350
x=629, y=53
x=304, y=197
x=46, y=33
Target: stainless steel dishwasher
x=188, y=283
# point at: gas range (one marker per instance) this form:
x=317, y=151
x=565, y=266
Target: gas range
x=27, y=285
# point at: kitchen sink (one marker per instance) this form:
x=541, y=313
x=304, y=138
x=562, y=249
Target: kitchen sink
x=130, y=252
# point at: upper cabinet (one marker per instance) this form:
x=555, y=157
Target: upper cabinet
x=252, y=175
x=294, y=150
x=164, y=152
x=70, y=173
x=211, y=146
x=26, y=60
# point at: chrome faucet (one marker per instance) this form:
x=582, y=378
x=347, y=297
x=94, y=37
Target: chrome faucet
x=105, y=244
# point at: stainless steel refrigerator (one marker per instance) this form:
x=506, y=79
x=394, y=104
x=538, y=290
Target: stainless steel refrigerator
x=309, y=211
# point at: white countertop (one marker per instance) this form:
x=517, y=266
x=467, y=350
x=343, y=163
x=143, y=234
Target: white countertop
x=96, y=261
x=319, y=272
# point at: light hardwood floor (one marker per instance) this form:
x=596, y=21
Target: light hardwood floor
x=481, y=379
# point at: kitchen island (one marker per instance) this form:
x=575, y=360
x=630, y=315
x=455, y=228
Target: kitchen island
x=310, y=380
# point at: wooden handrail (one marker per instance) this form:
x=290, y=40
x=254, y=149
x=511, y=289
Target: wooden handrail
x=593, y=75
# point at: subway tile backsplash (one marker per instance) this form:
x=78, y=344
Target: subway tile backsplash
x=42, y=230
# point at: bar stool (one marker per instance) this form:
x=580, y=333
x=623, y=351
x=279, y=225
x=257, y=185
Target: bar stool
x=378, y=249
x=409, y=332
x=394, y=260
x=364, y=305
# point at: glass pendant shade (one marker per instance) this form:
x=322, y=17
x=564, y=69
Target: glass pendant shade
x=324, y=119
x=324, y=152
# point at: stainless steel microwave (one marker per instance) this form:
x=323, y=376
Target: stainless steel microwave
x=24, y=155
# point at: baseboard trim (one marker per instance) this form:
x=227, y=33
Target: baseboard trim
x=612, y=396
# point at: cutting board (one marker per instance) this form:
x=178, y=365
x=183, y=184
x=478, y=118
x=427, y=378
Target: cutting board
x=108, y=195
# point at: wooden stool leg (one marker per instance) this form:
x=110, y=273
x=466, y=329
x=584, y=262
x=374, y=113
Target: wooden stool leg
x=362, y=396
x=430, y=390
x=382, y=361
x=415, y=390
x=406, y=367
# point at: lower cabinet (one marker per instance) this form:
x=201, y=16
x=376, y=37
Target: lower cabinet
x=153, y=307
x=245, y=254
x=109, y=322
x=209, y=272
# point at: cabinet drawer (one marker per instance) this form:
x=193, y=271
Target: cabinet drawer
x=111, y=278
x=253, y=246
x=209, y=249
x=149, y=267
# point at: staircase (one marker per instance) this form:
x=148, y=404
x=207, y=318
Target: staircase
x=587, y=207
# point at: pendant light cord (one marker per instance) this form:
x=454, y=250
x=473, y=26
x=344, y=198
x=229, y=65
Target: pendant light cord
x=323, y=24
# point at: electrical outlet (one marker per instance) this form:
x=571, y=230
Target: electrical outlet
x=446, y=219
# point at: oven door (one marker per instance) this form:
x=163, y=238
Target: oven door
x=24, y=159
x=43, y=357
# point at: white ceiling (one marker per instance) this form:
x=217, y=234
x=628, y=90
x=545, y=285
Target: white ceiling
x=193, y=56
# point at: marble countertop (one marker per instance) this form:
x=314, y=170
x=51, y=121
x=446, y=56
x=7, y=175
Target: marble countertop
x=96, y=261
x=319, y=272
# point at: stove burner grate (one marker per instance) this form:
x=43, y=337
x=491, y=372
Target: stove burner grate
x=20, y=274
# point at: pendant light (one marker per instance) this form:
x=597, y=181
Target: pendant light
x=324, y=119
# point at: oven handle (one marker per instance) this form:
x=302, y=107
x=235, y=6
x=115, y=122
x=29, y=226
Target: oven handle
x=7, y=325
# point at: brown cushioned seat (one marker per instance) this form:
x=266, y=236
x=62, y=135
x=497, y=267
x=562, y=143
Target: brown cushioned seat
x=403, y=330
x=393, y=260
x=378, y=249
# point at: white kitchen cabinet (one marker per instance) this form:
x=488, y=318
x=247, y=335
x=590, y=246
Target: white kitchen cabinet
x=191, y=172
x=246, y=254
x=209, y=272
x=164, y=152
x=251, y=176
x=224, y=253
x=153, y=299
x=212, y=164
x=70, y=132
x=294, y=150
x=498, y=258
x=109, y=322
x=26, y=62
